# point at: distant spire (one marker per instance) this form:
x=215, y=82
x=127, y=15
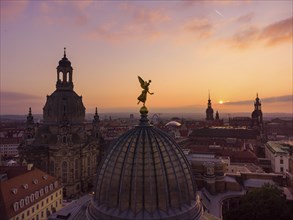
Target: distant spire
x=257, y=95
x=96, y=116
x=217, y=115
x=30, y=118
x=64, y=51
x=209, y=95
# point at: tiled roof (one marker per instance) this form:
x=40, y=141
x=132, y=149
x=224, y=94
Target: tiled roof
x=275, y=148
x=15, y=189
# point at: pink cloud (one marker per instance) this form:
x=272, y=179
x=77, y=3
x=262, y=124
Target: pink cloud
x=245, y=18
x=244, y=38
x=270, y=35
x=279, y=32
x=188, y=3
x=108, y=33
x=11, y=10
x=138, y=21
x=65, y=12
x=202, y=28
x=145, y=16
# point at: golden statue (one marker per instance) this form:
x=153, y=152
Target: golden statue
x=145, y=85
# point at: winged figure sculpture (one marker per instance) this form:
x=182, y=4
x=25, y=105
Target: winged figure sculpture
x=145, y=86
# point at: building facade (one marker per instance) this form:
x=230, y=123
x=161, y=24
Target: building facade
x=32, y=195
x=279, y=157
x=61, y=145
x=9, y=142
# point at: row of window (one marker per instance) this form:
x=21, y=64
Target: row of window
x=34, y=196
x=41, y=214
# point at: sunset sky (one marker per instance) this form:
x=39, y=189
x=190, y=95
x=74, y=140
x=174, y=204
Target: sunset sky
x=234, y=49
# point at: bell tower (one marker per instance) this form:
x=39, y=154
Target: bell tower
x=209, y=111
x=257, y=113
x=64, y=104
x=64, y=74
x=30, y=125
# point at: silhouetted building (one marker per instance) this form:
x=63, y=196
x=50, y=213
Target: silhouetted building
x=209, y=110
x=256, y=115
x=240, y=122
x=61, y=145
x=210, y=120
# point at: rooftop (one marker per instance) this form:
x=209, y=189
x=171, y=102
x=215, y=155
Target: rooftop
x=275, y=148
x=34, y=182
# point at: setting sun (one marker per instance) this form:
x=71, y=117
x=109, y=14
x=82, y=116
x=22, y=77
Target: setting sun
x=221, y=102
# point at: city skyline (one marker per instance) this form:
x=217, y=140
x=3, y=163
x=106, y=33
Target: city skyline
x=232, y=49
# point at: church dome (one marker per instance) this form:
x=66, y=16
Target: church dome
x=145, y=175
x=64, y=105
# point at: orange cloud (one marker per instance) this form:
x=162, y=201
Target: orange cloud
x=202, y=28
x=279, y=32
x=245, y=37
x=270, y=35
x=10, y=10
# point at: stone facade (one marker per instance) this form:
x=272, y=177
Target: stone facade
x=61, y=145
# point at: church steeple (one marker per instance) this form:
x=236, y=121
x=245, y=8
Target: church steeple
x=217, y=116
x=209, y=110
x=96, y=126
x=257, y=113
x=64, y=74
x=30, y=118
x=96, y=117
x=30, y=125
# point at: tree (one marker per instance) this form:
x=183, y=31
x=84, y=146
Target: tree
x=267, y=202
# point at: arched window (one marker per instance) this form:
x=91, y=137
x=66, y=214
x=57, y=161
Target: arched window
x=58, y=76
x=64, y=171
x=64, y=139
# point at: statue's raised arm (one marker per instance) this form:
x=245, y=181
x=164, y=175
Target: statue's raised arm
x=145, y=86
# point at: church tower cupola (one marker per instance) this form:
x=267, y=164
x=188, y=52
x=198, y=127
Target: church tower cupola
x=257, y=113
x=30, y=118
x=30, y=125
x=209, y=111
x=64, y=104
x=64, y=74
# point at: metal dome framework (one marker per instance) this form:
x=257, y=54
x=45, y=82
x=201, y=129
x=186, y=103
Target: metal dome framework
x=145, y=176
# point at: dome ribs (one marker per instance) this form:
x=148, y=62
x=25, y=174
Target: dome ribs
x=124, y=200
x=163, y=203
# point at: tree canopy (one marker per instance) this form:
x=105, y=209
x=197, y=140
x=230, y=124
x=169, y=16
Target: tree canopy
x=267, y=202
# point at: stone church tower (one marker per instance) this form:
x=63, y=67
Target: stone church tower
x=209, y=111
x=64, y=144
x=256, y=115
